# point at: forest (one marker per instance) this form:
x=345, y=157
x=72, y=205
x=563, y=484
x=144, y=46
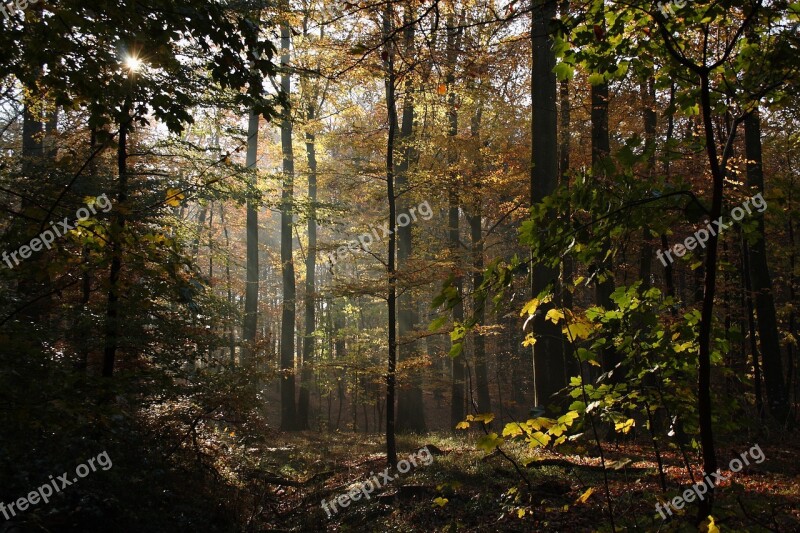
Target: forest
x=399, y=265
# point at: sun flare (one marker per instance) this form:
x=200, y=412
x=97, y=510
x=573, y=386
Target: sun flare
x=133, y=63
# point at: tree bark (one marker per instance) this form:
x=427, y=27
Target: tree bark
x=288, y=301
x=457, y=389
x=391, y=107
x=410, y=407
x=548, y=359
x=116, y=239
x=251, y=289
x=310, y=289
x=761, y=282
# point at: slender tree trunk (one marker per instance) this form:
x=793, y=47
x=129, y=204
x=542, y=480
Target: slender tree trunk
x=251, y=289
x=29, y=285
x=476, y=234
x=479, y=342
x=310, y=289
x=457, y=390
x=648, y=92
x=410, y=407
x=288, y=313
x=391, y=106
x=228, y=284
x=761, y=282
x=548, y=358
x=571, y=365
x=601, y=148
x=751, y=324
x=707, y=313
x=116, y=239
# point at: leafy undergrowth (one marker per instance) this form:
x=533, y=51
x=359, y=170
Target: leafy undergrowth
x=463, y=489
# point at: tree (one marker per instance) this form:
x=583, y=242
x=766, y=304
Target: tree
x=548, y=361
x=289, y=304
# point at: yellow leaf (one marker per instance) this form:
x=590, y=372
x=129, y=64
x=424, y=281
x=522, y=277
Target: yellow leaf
x=626, y=426
x=531, y=307
x=530, y=340
x=462, y=425
x=513, y=429
x=709, y=527
x=174, y=197
x=554, y=315
x=585, y=496
x=485, y=418
x=441, y=502
x=520, y=513
x=577, y=330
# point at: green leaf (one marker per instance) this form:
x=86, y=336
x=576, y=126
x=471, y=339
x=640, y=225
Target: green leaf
x=438, y=323
x=456, y=350
x=489, y=442
x=596, y=79
x=564, y=71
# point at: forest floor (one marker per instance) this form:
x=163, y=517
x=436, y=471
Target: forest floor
x=463, y=489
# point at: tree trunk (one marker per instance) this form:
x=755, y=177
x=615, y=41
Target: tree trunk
x=251, y=289
x=391, y=107
x=410, y=407
x=761, y=282
x=30, y=285
x=310, y=289
x=548, y=359
x=707, y=313
x=288, y=307
x=479, y=342
x=116, y=238
x=457, y=390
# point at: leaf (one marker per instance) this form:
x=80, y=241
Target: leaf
x=564, y=71
x=513, y=429
x=596, y=79
x=438, y=323
x=538, y=439
x=520, y=513
x=485, y=418
x=708, y=525
x=568, y=418
x=456, y=349
x=554, y=315
x=532, y=305
x=530, y=340
x=585, y=496
x=462, y=425
x=489, y=442
x=441, y=502
x=577, y=330
x=174, y=197
x=441, y=89
x=626, y=426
